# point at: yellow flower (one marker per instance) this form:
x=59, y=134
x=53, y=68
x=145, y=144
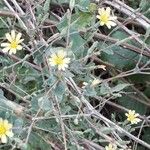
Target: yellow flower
x=105, y=18
x=5, y=130
x=111, y=147
x=59, y=59
x=14, y=42
x=132, y=117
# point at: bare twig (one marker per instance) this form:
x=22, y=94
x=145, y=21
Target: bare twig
x=89, y=144
x=7, y=14
x=16, y=15
x=99, y=36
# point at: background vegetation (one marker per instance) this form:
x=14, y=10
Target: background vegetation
x=51, y=109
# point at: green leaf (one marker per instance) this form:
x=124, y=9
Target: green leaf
x=91, y=49
x=7, y=104
x=90, y=91
x=37, y=142
x=119, y=87
x=44, y=103
x=51, y=80
x=3, y=28
x=46, y=6
x=78, y=21
x=83, y=5
x=104, y=89
x=107, y=130
x=122, y=58
x=133, y=104
x=92, y=7
x=60, y=90
x=18, y=126
x=123, y=36
x=77, y=45
x=66, y=109
x=144, y=6
x=34, y=103
x=146, y=135
x=83, y=19
x=77, y=67
x=48, y=125
x=102, y=46
x=62, y=1
x=72, y=4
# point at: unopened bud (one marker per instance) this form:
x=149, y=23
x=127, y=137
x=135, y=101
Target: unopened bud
x=76, y=122
x=95, y=82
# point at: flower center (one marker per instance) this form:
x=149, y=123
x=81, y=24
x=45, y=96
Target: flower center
x=131, y=117
x=59, y=60
x=13, y=44
x=105, y=18
x=2, y=129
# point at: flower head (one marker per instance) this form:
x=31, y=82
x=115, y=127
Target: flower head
x=132, y=117
x=105, y=18
x=59, y=59
x=111, y=147
x=5, y=130
x=13, y=43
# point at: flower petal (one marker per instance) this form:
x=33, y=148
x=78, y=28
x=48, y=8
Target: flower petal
x=52, y=60
x=3, y=139
x=13, y=34
x=1, y=120
x=102, y=23
x=112, y=23
x=7, y=125
x=19, y=47
x=108, y=10
x=52, y=63
x=108, y=26
x=60, y=67
x=5, y=44
x=101, y=10
x=66, y=60
x=9, y=133
x=19, y=41
x=8, y=37
x=98, y=16
x=12, y=51
x=18, y=36
x=5, y=122
x=61, y=54
x=54, y=56
x=6, y=49
x=113, y=18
